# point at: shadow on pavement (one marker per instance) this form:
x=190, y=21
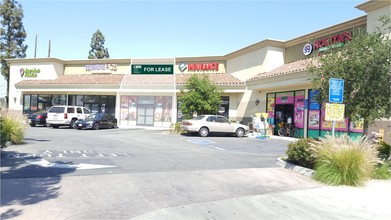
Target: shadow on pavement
x=24, y=184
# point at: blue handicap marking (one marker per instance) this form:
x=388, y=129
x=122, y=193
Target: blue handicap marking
x=201, y=142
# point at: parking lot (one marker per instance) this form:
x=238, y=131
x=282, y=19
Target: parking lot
x=140, y=150
x=123, y=173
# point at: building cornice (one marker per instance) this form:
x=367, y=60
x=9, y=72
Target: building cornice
x=360, y=21
x=372, y=5
x=256, y=46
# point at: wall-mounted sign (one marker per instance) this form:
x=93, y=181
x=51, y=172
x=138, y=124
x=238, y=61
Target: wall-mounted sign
x=326, y=43
x=307, y=49
x=101, y=67
x=152, y=69
x=199, y=67
x=29, y=73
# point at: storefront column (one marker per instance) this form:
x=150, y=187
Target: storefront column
x=306, y=104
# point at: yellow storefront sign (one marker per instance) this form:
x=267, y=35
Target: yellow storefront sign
x=335, y=112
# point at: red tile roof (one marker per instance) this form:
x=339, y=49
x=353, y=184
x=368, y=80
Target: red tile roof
x=293, y=67
x=101, y=79
x=129, y=79
x=216, y=78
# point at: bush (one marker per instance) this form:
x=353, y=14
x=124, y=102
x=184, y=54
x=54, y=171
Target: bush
x=176, y=128
x=3, y=134
x=384, y=150
x=382, y=171
x=13, y=126
x=342, y=161
x=300, y=153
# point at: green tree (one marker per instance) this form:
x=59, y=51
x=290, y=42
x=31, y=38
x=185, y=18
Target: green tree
x=364, y=65
x=12, y=35
x=98, y=50
x=200, y=96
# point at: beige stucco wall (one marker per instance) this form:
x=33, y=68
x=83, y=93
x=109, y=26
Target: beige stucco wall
x=258, y=61
x=47, y=70
x=109, y=68
x=373, y=17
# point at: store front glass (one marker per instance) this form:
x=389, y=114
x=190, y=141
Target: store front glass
x=42, y=102
x=285, y=106
x=146, y=110
x=319, y=127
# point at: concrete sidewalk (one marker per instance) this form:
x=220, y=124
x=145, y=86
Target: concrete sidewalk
x=371, y=201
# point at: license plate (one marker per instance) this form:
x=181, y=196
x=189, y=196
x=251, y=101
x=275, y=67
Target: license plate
x=80, y=124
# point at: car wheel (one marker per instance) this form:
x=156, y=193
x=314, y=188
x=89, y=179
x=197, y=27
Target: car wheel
x=240, y=132
x=114, y=125
x=73, y=123
x=204, y=131
x=32, y=124
x=96, y=126
x=46, y=124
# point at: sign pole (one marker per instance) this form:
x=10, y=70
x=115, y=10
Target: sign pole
x=333, y=128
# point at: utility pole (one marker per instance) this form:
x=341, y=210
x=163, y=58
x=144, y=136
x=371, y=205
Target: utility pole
x=49, y=49
x=35, y=50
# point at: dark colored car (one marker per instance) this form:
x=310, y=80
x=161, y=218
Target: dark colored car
x=97, y=121
x=38, y=118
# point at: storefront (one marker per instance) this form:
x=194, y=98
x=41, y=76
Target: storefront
x=282, y=105
x=269, y=76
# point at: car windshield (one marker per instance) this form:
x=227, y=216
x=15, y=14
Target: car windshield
x=200, y=117
x=95, y=116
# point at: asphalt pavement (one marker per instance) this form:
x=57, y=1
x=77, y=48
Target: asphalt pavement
x=136, y=174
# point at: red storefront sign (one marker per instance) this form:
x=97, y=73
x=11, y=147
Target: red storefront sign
x=202, y=66
x=338, y=38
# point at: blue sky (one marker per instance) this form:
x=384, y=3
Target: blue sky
x=155, y=29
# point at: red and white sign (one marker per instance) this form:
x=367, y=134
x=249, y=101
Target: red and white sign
x=202, y=66
x=338, y=38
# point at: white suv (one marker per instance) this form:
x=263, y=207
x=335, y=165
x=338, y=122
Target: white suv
x=62, y=115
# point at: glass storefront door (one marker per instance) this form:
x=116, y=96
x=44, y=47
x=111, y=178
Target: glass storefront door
x=145, y=114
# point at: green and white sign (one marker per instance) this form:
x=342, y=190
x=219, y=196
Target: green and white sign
x=152, y=69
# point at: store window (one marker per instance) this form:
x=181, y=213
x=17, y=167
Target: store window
x=59, y=99
x=44, y=102
x=34, y=103
x=26, y=104
x=224, y=107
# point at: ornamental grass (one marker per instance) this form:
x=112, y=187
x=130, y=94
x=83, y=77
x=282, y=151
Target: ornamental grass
x=343, y=161
x=13, y=125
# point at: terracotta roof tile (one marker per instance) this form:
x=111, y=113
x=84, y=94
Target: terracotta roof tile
x=101, y=79
x=216, y=78
x=129, y=79
x=293, y=67
x=158, y=79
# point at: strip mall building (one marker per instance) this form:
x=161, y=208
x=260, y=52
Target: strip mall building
x=269, y=76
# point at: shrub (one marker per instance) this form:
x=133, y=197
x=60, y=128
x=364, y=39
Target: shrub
x=300, y=153
x=176, y=128
x=384, y=150
x=342, y=161
x=3, y=134
x=382, y=171
x=13, y=125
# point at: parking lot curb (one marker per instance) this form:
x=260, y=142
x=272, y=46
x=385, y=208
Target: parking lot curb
x=296, y=168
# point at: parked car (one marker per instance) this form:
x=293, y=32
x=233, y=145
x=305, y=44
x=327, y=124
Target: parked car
x=38, y=118
x=205, y=124
x=97, y=121
x=62, y=115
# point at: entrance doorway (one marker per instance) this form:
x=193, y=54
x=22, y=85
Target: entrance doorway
x=145, y=114
x=282, y=113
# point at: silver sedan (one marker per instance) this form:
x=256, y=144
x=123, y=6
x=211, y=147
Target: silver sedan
x=205, y=124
